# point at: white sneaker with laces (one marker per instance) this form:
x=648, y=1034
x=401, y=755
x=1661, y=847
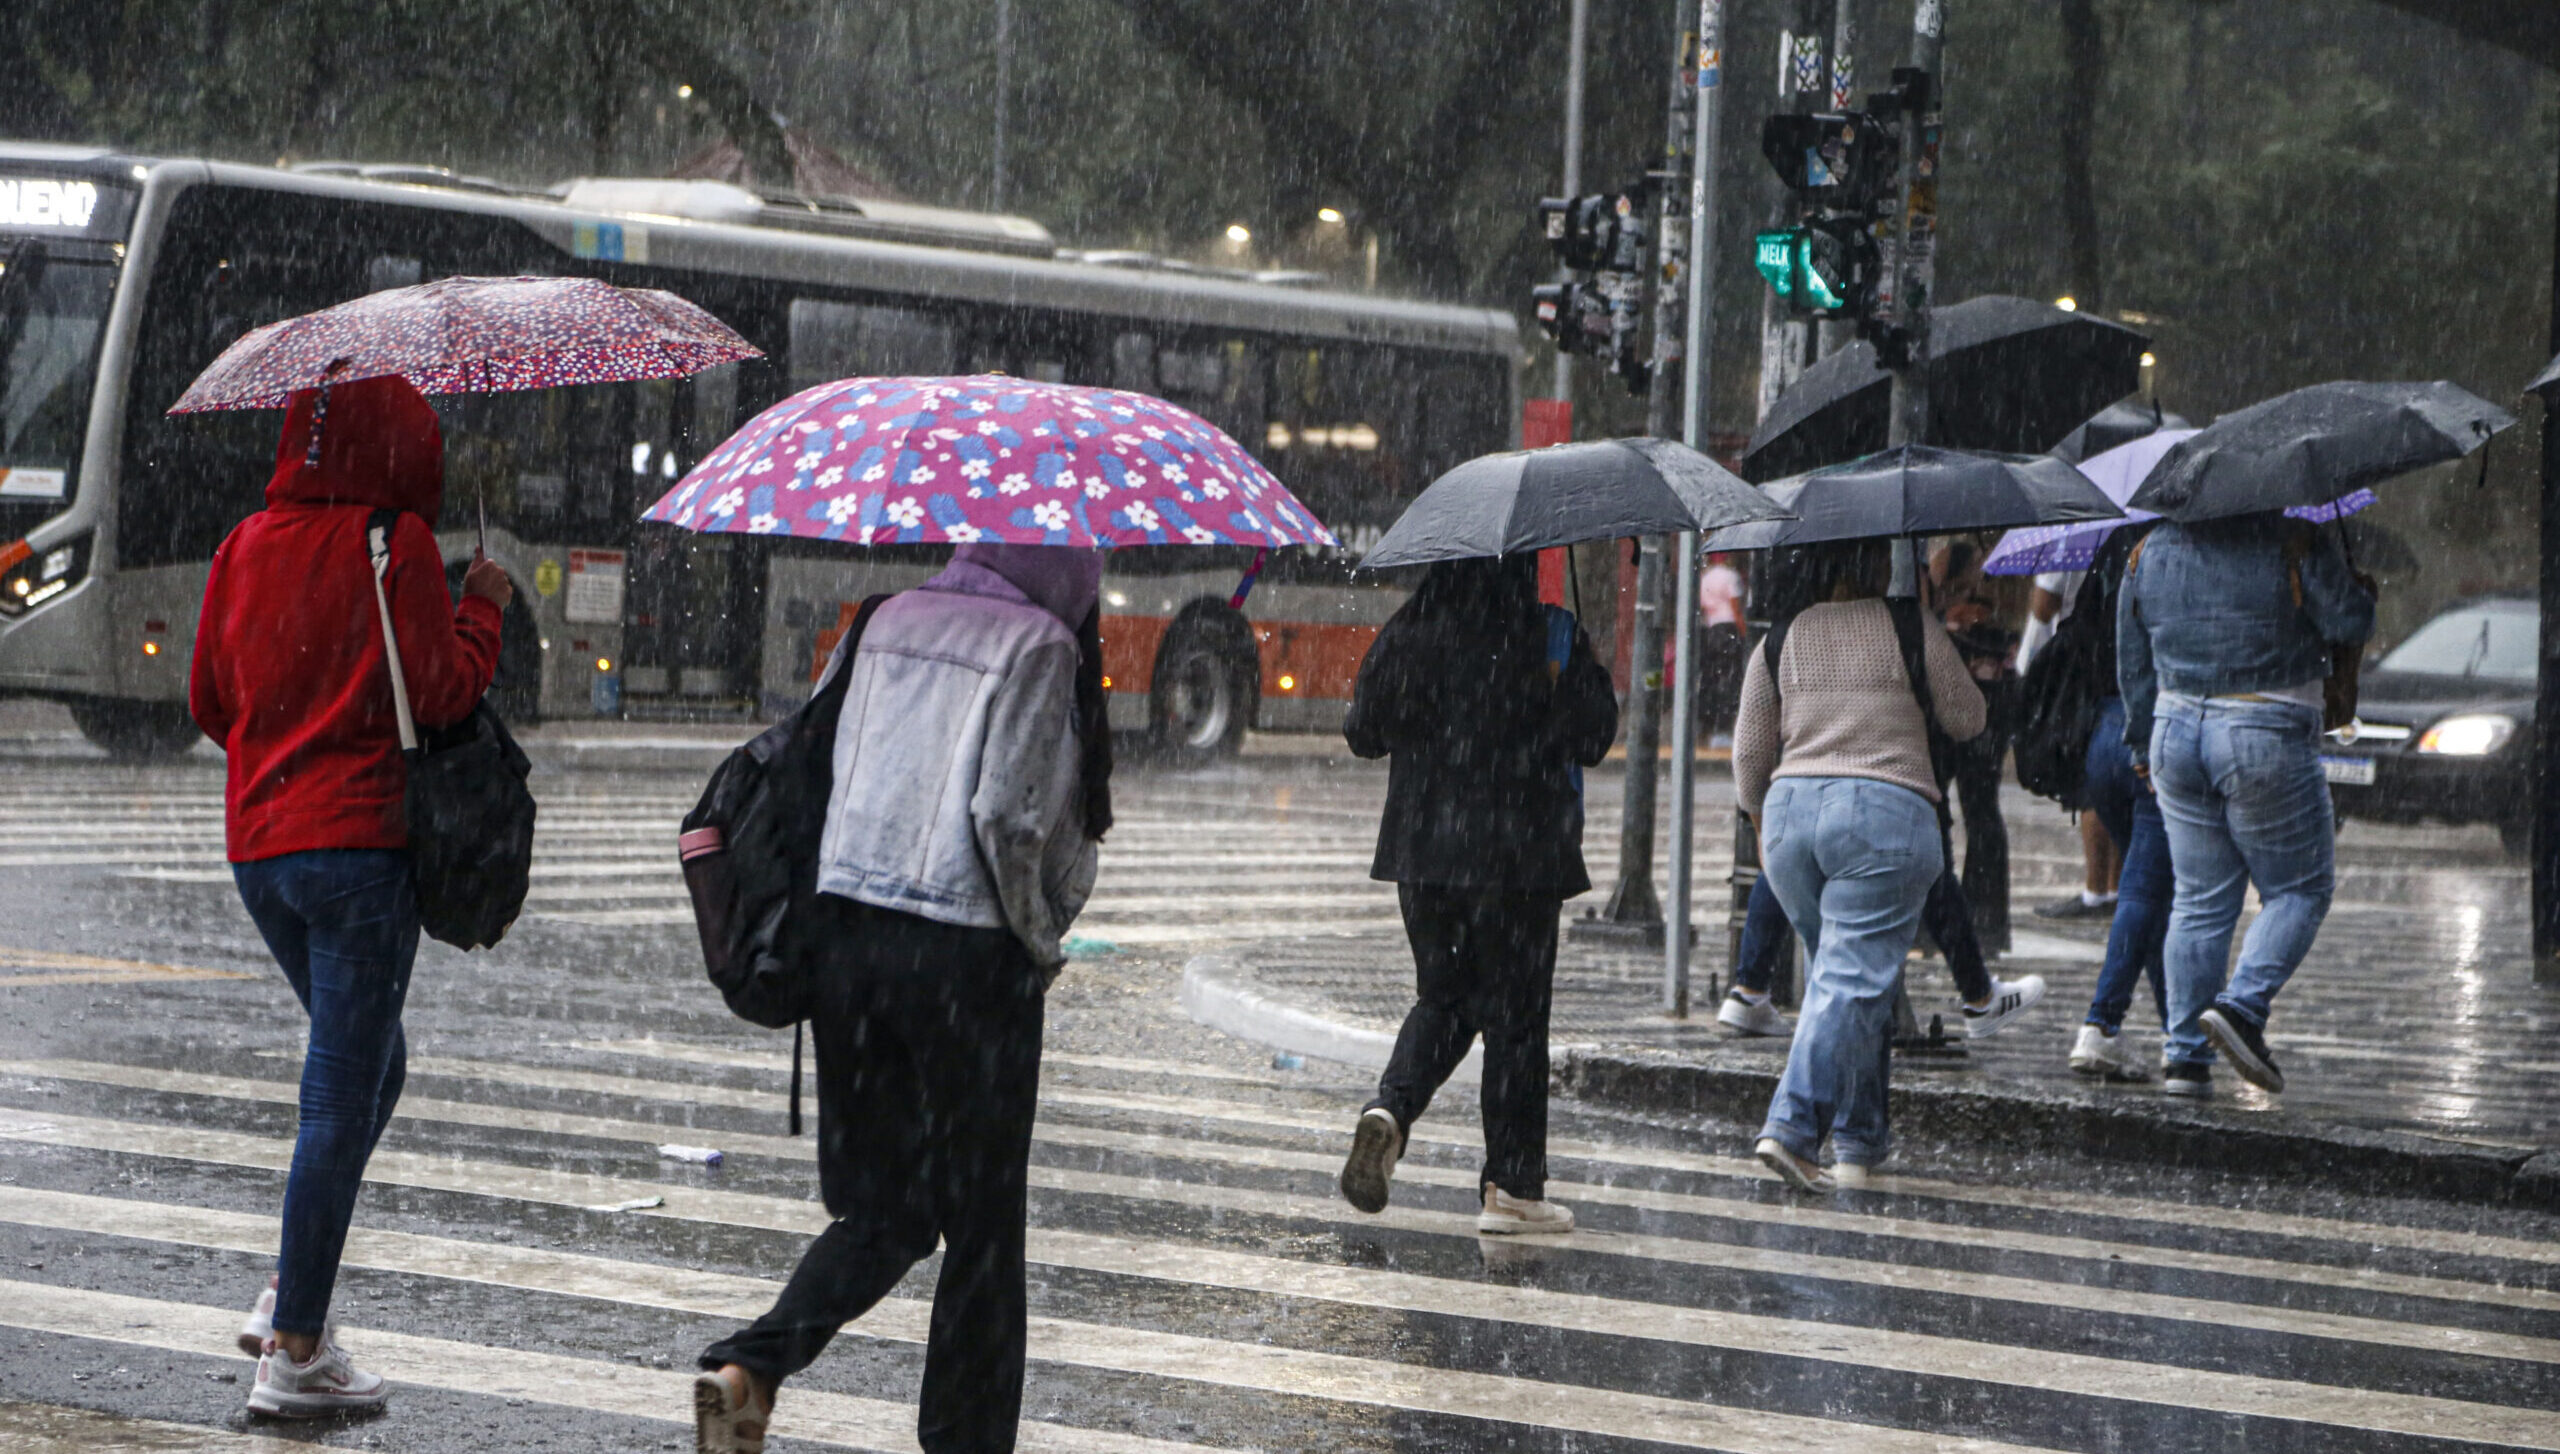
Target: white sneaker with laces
x=1750, y=1017
x=2010, y=998
x=2104, y=1057
x=328, y=1386
x=1505, y=1215
x=1792, y=1169
x=1850, y=1176
x=260, y=1325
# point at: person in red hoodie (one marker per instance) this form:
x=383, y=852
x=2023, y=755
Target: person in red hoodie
x=290, y=677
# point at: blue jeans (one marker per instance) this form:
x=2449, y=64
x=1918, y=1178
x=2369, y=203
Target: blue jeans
x=343, y=924
x=2244, y=801
x=1852, y=860
x=2132, y=818
x=1946, y=917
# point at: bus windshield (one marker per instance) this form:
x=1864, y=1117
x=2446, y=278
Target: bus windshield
x=53, y=307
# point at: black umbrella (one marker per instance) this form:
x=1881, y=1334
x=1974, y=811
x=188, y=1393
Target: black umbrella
x=2544, y=382
x=2121, y=422
x=1920, y=489
x=1529, y=499
x=2314, y=445
x=2008, y=374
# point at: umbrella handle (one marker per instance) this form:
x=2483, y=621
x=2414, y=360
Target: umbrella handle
x=1252, y=573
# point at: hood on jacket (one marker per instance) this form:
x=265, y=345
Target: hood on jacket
x=380, y=446
x=1061, y=580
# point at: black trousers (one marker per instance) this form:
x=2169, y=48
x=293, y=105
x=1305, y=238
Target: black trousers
x=1484, y=963
x=1978, y=766
x=928, y=1044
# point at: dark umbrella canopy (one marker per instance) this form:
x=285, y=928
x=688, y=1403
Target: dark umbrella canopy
x=2316, y=444
x=2009, y=374
x=2121, y=422
x=2547, y=382
x=1919, y=489
x=1529, y=499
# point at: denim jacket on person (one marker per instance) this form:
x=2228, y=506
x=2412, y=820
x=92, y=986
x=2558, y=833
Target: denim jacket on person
x=958, y=796
x=2209, y=610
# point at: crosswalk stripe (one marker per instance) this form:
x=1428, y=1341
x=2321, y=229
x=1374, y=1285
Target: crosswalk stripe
x=2439, y=1240
x=50, y=1427
x=483, y=1370
x=1739, y=1258
x=1298, y=1372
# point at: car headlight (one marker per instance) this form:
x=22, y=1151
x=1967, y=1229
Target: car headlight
x=2474, y=735
x=31, y=577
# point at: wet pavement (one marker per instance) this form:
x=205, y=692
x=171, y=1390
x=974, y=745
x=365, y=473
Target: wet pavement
x=1196, y=1282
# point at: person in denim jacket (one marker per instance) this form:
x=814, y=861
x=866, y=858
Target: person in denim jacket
x=2225, y=631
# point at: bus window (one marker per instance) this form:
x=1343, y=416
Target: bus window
x=53, y=305
x=1133, y=363
x=832, y=340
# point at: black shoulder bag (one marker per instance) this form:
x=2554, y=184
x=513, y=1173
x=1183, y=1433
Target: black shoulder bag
x=750, y=854
x=470, y=813
x=2059, y=697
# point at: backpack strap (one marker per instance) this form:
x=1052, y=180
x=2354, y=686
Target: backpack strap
x=1905, y=611
x=1774, y=650
x=377, y=536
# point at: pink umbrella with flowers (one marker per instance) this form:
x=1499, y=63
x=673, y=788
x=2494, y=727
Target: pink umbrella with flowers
x=888, y=461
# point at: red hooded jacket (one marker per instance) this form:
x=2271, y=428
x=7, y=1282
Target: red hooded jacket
x=289, y=673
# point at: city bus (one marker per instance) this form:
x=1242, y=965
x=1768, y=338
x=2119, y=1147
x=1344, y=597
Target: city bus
x=122, y=276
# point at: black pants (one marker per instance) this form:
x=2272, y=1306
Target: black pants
x=928, y=1042
x=1484, y=963
x=1977, y=765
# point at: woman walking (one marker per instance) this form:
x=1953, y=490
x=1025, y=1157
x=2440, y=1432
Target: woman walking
x=1831, y=760
x=290, y=676
x=1487, y=703
x=972, y=782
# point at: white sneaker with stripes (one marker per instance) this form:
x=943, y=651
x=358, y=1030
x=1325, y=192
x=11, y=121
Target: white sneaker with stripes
x=327, y=1387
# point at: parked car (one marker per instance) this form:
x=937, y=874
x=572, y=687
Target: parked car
x=2444, y=724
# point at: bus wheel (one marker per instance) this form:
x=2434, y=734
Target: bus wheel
x=1207, y=684
x=136, y=731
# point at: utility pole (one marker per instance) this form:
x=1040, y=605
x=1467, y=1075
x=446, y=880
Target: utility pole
x=1004, y=98
x=1911, y=247
x=1634, y=910
x=1834, y=334
x=1698, y=362
x=1577, y=40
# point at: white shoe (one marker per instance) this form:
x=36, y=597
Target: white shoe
x=2104, y=1057
x=1377, y=1144
x=1750, y=1017
x=260, y=1325
x=1505, y=1215
x=328, y=1386
x=2010, y=998
x=1850, y=1176
x=1792, y=1169
x=726, y=1417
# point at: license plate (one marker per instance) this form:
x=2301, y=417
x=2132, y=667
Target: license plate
x=2355, y=772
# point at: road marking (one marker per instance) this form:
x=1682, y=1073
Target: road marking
x=494, y=1372
x=48, y=967
x=58, y=1427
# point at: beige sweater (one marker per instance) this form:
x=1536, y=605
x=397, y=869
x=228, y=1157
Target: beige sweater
x=1848, y=704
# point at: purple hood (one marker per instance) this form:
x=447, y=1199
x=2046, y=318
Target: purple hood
x=1062, y=580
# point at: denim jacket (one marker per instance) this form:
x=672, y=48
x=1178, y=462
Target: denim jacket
x=958, y=796
x=2208, y=610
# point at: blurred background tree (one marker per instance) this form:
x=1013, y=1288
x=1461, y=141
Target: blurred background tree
x=2279, y=191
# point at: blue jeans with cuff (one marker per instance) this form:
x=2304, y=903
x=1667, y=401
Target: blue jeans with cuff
x=2244, y=801
x=2144, y=889
x=1851, y=860
x=343, y=924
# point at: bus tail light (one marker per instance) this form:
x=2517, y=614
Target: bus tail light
x=30, y=577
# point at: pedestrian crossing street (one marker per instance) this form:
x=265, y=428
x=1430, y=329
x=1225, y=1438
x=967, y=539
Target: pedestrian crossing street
x=1197, y=1284
x=1183, y=866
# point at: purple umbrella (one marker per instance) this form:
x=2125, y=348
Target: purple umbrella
x=2118, y=472
x=895, y=461
x=471, y=336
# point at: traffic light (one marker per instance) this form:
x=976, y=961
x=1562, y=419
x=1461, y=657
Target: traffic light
x=1824, y=266
x=1844, y=170
x=1606, y=240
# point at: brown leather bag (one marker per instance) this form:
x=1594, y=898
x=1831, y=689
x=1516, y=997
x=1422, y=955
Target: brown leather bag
x=2346, y=662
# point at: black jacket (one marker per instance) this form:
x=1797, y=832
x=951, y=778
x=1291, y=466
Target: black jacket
x=1484, y=736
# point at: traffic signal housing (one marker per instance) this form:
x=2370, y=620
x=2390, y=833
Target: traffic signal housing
x=1606, y=241
x=1835, y=161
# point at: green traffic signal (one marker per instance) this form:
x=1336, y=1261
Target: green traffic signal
x=1788, y=258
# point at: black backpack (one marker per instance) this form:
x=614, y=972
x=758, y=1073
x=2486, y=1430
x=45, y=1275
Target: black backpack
x=470, y=813
x=2059, y=698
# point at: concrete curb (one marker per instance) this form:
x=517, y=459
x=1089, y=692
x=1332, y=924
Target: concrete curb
x=1217, y=992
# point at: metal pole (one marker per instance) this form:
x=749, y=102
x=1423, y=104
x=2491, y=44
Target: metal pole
x=1834, y=334
x=1577, y=39
x=1703, y=156
x=1633, y=905
x=1004, y=97
x=2546, y=717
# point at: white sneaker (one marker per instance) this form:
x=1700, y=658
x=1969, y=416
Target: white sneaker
x=1377, y=1143
x=328, y=1386
x=2104, y=1057
x=1850, y=1176
x=1795, y=1171
x=1750, y=1017
x=2010, y=998
x=726, y=1417
x=1505, y=1215
x=260, y=1325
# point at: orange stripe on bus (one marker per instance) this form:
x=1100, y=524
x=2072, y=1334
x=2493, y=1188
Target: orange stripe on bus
x=1315, y=659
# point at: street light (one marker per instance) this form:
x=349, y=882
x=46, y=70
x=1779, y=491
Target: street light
x=1331, y=215
x=1239, y=234
x=684, y=93
x=2067, y=303
x=2149, y=359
